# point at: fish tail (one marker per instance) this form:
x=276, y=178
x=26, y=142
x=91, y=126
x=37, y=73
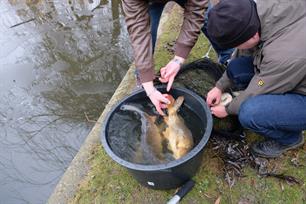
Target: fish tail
x=142, y=114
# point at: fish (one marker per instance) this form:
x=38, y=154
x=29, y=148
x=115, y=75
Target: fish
x=179, y=137
x=151, y=139
x=226, y=98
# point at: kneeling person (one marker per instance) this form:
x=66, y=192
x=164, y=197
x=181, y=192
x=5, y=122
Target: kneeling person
x=272, y=81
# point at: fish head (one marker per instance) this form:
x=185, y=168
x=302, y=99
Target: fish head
x=170, y=105
x=123, y=107
x=171, y=99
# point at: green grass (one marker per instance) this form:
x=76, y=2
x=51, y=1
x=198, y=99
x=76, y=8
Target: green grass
x=107, y=182
x=169, y=35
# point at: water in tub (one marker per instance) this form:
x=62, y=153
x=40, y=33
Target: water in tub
x=137, y=134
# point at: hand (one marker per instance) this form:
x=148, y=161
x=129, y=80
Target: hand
x=169, y=72
x=219, y=111
x=214, y=97
x=159, y=100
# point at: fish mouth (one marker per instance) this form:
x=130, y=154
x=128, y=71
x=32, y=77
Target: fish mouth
x=170, y=98
x=122, y=107
x=125, y=107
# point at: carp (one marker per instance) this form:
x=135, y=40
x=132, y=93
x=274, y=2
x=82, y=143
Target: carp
x=180, y=140
x=151, y=137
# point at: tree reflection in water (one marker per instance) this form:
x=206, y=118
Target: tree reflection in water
x=64, y=63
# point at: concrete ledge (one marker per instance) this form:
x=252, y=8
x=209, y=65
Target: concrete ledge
x=79, y=167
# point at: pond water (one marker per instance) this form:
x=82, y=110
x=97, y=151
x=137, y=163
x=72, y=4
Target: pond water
x=60, y=62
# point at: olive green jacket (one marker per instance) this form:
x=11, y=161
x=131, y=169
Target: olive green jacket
x=280, y=58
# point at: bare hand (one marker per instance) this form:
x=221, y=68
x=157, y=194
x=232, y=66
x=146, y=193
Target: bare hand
x=219, y=111
x=169, y=72
x=214, y=97
x=159, y=100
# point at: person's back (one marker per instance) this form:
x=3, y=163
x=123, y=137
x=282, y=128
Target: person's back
x=283, y=44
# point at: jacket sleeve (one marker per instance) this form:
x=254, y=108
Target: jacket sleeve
x=224, y=82
x=274, y=76
x=138, y=25
x=192, y=24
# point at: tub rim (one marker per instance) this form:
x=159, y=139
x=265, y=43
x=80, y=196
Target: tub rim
x=165, y=166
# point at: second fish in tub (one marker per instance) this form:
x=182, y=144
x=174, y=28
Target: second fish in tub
x=180, y=140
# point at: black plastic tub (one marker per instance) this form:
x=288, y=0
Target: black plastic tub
x=174, y=173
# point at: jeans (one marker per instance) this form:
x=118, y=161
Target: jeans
x=155, y=11
x=281, y=117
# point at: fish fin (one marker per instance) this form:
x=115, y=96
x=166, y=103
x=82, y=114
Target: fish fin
x=177, y=144
x=178, y=102
x=166, y=119
x=152, y=117
x=138, y=157
x=162, y=127
x=169, y=147
x=165, y=134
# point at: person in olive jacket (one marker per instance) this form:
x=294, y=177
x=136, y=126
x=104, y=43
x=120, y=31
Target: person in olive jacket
x=142, y=19
x=272, y=80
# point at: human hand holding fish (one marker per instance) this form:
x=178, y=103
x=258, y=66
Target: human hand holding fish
x=219, y=111
x=158, y=99
x=213, y=97
x=217, y=101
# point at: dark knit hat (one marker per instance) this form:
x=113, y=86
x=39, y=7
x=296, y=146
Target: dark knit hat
x=232, y=22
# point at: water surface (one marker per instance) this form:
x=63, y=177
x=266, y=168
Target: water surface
x=131, y=144
x=60, y=62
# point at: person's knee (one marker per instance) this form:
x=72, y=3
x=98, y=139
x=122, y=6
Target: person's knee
x=230, y=69
x=240, y=66
x=240, y=71
x=248, y=116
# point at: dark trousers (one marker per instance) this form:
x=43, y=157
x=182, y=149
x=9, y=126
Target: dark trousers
x=155, y=11
x=281, y=117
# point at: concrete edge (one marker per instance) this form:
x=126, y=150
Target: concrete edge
x=79, y=166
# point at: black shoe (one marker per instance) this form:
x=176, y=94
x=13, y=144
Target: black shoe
x=272, y=149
